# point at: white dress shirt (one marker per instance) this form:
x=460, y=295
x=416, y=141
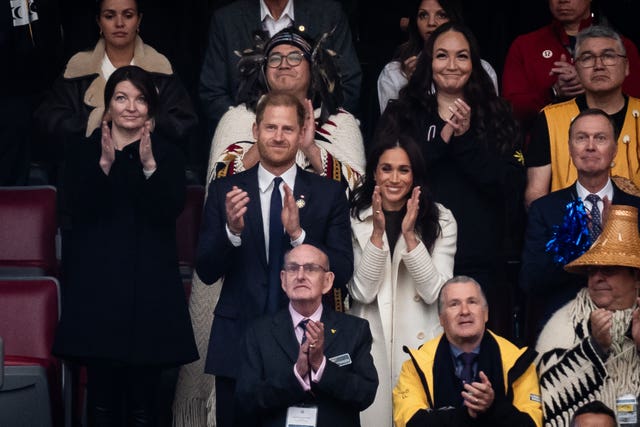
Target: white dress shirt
x=606, y=191
x=265, y=185
x=297, y=318
x=272, y=25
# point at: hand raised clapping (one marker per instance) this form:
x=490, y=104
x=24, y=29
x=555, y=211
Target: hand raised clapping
x=146, y=153
x=108, y=155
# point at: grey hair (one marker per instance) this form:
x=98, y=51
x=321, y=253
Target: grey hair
x=460, y=279
x=596, y=32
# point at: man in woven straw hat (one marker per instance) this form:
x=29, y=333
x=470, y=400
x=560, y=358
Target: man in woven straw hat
x=590, y=347
x=592, y=146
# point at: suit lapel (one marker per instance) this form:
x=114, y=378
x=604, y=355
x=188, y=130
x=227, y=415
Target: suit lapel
x=284, y=335
x=301, y=13
x=302, y=194
x=251, y=14
x=331, y=329
x=253, y=217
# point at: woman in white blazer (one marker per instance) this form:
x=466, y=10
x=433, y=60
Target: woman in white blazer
x=404, y=244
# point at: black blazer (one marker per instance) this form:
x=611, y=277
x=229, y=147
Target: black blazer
x=267, y=385
x=539, y=276
x=325, y=220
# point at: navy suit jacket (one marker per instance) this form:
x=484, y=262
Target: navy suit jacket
x=539, y=276
x=267, y=386
x=231, y=30
x=325, y=220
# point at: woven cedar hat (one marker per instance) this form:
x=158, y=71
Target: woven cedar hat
x=618, y=244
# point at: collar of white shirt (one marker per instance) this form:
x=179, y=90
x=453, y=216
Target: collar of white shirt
x=265, y=178
x=606, y=191
x=272, y=25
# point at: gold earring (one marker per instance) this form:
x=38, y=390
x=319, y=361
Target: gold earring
x=613, y=165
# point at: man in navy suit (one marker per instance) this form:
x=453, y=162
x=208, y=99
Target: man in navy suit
x=236, y=244
x=593, y=146
x=306, y=365
x=231, y=31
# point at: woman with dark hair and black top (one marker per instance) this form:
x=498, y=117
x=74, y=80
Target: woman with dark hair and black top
x=470, y=143
x=125, y=313
x=404, y=245
x=74, y=104
x=426, y=16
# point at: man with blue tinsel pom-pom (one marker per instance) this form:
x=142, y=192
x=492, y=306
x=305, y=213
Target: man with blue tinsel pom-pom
x=563, y=224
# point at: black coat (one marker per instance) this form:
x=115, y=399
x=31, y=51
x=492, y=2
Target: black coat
x=123, y=299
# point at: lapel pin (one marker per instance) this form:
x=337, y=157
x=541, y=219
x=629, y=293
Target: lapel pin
x=333, y=331
x=300, y=202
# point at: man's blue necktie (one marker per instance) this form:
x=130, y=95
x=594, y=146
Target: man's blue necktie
x=467, y=359
x=596, y=218
x=275, y=297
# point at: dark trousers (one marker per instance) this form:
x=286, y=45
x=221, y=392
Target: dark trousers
x=225, y=402
x=122, y=395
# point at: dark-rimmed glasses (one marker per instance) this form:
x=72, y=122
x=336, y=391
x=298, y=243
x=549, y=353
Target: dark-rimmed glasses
x=293, y=59
x=588, y=60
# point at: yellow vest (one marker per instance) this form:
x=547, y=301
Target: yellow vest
x=563, y=172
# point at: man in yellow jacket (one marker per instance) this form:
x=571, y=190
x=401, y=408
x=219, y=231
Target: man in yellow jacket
x=468, y=376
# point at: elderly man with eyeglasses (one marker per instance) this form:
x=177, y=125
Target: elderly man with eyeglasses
x=306, y=365
x=601, y=65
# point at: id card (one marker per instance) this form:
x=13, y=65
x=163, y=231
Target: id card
x=302, y=416
x=627, y=409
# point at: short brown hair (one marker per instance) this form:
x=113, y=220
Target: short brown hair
x=595, y=112
x=280, y=99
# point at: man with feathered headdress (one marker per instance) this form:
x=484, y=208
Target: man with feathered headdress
x=291, y=62
x=230, y=31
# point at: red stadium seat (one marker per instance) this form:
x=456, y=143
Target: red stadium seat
x=33, y=378
x=28, y=225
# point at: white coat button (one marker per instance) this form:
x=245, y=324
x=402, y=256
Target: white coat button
x=420, y=335
x=417, y=298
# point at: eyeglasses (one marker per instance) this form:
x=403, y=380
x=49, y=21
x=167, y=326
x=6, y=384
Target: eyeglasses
x=309, y=268
x=293, y=59
x=608, y=59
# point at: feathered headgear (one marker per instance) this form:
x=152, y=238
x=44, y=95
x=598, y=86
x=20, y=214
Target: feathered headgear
x=253, y=82
x=325, y=88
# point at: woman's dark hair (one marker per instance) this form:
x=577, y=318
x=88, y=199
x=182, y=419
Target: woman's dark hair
x=138, y=77
x=492, y=122
x=427, y=224
x=415, y=43
x=98, y=6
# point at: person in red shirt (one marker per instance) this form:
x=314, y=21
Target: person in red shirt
x=539, y=69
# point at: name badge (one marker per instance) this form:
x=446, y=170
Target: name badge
x=302, y=416
x=341, y=359
x=627, y=409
